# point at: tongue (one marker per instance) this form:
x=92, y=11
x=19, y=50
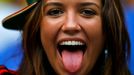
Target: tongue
x=72, y=60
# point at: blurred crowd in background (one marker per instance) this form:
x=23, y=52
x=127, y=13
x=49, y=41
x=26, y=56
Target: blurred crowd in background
x=10, y=40
x=129, y=17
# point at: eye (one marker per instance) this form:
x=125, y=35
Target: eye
x=55, y=12
x=87, y=12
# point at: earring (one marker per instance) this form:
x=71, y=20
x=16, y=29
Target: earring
x=106, y=53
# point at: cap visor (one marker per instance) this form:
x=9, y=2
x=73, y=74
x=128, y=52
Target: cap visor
x=17, y=20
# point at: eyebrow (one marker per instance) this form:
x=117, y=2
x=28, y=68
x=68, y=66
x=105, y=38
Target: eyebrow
x=88, y=4
x=53, y=4
x=79, y=4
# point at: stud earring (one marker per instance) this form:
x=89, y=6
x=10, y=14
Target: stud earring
x=106, y=53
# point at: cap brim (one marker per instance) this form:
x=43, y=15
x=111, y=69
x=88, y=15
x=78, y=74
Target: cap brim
x=17, y=20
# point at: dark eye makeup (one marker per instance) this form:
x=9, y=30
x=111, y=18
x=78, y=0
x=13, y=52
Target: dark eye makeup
x=55, y=12
x=87, y=12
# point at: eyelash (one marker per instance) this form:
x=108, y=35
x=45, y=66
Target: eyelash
x=55, y=12
x=87, y=12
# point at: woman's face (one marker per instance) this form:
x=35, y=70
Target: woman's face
x=71, y=34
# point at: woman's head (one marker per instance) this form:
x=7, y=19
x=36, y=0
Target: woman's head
x=71, y=36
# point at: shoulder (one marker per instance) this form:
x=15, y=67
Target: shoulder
x=5, y=71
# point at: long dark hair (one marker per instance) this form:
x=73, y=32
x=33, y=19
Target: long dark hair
x=117, y=43
x=34, y=61
x=117, y=39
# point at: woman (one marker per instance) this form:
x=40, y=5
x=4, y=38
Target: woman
x=72, y=37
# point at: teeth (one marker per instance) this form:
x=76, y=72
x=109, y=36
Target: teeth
x=71, y=43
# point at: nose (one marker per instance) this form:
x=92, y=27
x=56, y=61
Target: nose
x=71, y=26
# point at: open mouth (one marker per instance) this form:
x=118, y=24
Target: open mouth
x=71, y=46
x=72, y=53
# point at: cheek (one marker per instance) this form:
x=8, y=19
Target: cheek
x=50, y=27
x=48, y=30
x=92, y=27
x=46, y=33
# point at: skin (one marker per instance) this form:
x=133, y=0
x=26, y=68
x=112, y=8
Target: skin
x=72, y=21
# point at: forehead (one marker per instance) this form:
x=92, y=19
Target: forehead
x=98, y=2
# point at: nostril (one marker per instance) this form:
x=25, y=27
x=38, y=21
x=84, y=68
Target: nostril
x=71, y=29
x=71, y=32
